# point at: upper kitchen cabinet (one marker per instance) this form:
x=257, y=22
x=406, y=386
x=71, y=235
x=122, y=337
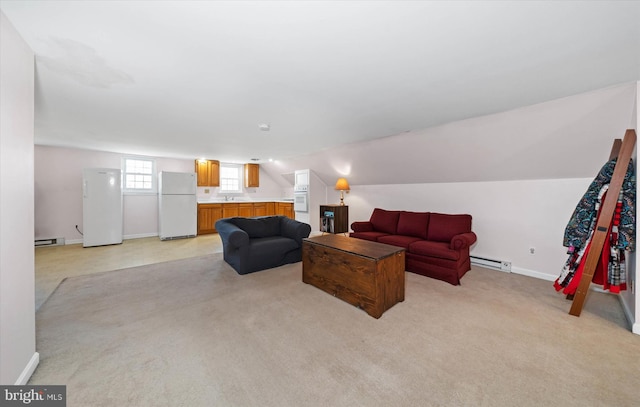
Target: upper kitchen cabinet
x=208, y=173
x=251, y=175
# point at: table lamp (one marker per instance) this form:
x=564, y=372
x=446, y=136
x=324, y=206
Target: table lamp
x=342, y=185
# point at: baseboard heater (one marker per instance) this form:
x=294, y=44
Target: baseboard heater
x=491, y=264
x=56, y=241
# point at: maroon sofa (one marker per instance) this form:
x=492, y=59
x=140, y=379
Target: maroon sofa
x=437, y=245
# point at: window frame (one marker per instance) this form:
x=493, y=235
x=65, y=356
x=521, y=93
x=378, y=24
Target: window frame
x=240, y=171
x=139, y=191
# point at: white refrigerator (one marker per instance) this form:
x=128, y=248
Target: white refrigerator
x=101, y=207
x=177, y=205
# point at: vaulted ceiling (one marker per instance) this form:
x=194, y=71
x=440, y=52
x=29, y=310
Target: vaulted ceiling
x=197, y=78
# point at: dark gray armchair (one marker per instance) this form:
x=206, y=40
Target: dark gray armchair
x=254, y=244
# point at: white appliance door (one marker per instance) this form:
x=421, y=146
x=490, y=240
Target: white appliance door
x=301, y=177
x=178, y=216
x=101, y=207
x=300, y=202
x=177, y=183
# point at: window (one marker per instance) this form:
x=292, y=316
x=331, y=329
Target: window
x=230, y=178
x=139, y=175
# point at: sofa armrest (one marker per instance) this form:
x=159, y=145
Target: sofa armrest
x=294, y=229
x=362, y=226
x=231, y=235
x=463, y=241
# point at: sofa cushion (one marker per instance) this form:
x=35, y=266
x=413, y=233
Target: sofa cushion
x=268, y=247
x=259, y=227
x=443, y=227
x=373, y=236
x=413, y=224
x=434, y=249
x=398, y=240
x=384, y=221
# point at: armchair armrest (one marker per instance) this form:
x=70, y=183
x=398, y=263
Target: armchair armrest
x=362, y=226
x=231, y=235
x=294, y=229
x=462, y=241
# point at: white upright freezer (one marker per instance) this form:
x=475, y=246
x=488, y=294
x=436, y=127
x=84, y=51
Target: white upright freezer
x=101, y=207
x=177, y=205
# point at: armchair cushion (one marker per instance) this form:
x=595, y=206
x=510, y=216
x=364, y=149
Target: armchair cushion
x=259, y=227
x=266, y=247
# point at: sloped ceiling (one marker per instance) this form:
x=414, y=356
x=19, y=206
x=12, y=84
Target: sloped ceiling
x=564, y=138
x=193, y=79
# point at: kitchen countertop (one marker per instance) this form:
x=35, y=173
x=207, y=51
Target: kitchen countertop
x=222, y=201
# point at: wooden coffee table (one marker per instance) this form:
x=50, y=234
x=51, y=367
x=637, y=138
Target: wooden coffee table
x=366, y=274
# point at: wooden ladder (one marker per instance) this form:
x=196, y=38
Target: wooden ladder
x=623, y=150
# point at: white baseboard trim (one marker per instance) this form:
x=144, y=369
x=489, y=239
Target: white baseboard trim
x=533, y=273
x=28, y=370
x=635, y=326
x=139, y=236
x=126, y=237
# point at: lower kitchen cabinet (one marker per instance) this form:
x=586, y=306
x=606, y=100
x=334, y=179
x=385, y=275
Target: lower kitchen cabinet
x=208, y=214
x=285, y=209
x=230, y=210
x=260, y=209
x=246, y=210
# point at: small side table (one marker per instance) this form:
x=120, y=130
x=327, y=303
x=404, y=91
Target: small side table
x=334, y=218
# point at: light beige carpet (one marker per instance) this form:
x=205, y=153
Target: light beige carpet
x=195, y=333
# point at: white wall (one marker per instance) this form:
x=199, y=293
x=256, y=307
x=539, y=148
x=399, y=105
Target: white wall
x=18, y=356
x=509, y=217
x=630, y=297
x=58, y=192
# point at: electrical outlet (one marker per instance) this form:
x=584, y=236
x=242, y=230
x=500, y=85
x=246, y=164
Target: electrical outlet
x=532, y=250
x=206, y=190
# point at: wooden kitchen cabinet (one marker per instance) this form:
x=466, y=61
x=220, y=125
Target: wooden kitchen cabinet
x=208, y=173
x=285, y=209
x=271, y=208
x=260, y=209
x=229, y=210
x=251, y=175
x=208, y=214
x=246, y=210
